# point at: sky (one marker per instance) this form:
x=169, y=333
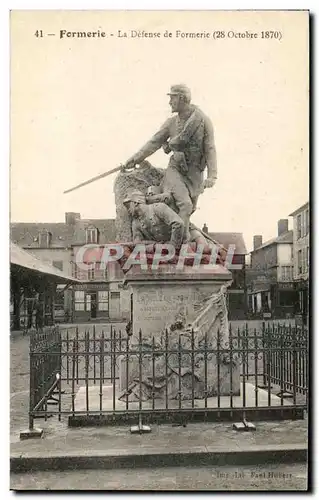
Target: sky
x=80, y=107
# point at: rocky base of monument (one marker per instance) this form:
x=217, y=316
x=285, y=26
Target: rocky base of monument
x=186, y=362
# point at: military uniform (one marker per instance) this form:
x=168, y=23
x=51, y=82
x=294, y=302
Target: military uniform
x=199, y=151
x=160, y=223
x=192, y=148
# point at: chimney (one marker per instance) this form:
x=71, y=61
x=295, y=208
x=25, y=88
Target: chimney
x=258, y=241
x=205, y=228
x=71, y=218
x=282, y=226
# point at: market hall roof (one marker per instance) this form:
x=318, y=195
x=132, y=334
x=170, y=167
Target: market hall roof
x=23, y=259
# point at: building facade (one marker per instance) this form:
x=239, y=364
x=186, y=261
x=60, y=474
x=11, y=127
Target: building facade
x=33, y=290
x=301, y=241
x=270, y=284
x=98, y=296
x=237, y=292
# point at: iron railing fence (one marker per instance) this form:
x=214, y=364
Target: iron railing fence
x=285, y=358
x=92, y=375
x=45, y=365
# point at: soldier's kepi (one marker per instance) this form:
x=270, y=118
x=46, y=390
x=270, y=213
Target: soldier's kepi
x=188, y=137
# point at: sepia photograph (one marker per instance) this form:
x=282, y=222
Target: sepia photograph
x=159, y=250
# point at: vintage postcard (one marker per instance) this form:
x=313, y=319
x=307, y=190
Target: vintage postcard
x=160, y=232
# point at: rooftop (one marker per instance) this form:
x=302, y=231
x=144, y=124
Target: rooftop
x=26, y=234
x=63, y=235
x=283, y=238
x=300, y=209
x=23, y=259
x=227, y=239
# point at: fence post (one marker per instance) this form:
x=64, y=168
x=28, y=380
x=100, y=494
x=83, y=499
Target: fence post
x=231, y=347
x=218, y=369
x=264, y=353
x=266, y=344
x=243, y=343
x=113, y=367
x=59, y=335
x=32, y=388
x=74, y=361
x=140, y=428
x=153, y=373
x=94, y=357
x=101, y=341
x=87, y=347
x=31, y=432
x=294, y=364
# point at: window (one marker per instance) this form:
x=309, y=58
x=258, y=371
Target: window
x=286, y=273
x=88, y=302
x=58, y=264
x=305, y=260
x=74, y=269
x=59, y=296
x=307, y=222
x=45, y=239
x=92, y=235
x=298, y=226
x=79, y=300
x=91, y=273
x=264, y=302
x=103, y=301
x=299, y=262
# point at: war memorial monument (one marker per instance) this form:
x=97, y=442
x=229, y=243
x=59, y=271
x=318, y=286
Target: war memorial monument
x=179, y=297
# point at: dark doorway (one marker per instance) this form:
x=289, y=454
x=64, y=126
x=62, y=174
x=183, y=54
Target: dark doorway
x=93, y=305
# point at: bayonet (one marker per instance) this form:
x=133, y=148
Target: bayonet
x=96, y=178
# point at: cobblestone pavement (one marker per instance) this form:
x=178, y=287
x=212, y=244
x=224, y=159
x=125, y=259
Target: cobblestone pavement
x=283, y=477
x=19, y=381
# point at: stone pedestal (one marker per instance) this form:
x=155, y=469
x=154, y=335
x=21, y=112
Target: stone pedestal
x=192, y=298
x=160, y=297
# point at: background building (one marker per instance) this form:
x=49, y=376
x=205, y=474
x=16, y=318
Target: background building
x=301, y=229
x=96, y=297
x=51, y=243
x=270, y=284
x=237, y=292
x=33, y=290
x=100, y=296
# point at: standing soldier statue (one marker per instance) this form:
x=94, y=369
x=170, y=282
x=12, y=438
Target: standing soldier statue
x=189, y=137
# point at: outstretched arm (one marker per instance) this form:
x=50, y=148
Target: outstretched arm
x=155, y=143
